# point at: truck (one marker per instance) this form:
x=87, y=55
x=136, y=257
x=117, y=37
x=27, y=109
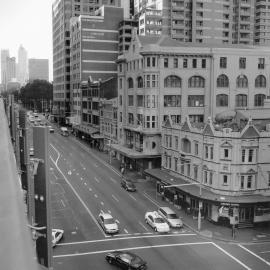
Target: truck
x=64, y=131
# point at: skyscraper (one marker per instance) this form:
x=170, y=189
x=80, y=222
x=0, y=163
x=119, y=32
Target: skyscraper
x=62, y=12
x=22, y=70
x=10, y=69
x=38, y=69
x=4, y=55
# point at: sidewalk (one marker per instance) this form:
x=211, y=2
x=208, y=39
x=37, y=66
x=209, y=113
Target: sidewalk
x=208, y=229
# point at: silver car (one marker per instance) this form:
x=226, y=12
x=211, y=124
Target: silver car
x=170, y=216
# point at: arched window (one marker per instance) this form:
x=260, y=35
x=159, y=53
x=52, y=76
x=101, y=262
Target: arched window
x=140, y=82
x=258, y=100
x=260, y=81
x=241, y=100
x=172, y=81
x=242, y=81
x=222, y=100
x=130, y=83
x=186, y=145
x=222, y=81
x=196, y=82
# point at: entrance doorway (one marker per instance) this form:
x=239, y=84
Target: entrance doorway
x=246, y=214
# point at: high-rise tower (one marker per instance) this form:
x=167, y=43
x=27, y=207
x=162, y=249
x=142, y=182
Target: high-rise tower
x=22, y=65
x=4, y=56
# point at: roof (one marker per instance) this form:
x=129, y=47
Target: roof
x=194, y=189
x=106, y=215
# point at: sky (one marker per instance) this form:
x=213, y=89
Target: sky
x=27, y=23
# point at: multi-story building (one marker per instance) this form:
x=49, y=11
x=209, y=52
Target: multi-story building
x=10, y=69
x=160, y=77
x=22, y=68
x=62, y=12
x=94, y=49
x=4, y=56
x=38, y=69
x=223, y=164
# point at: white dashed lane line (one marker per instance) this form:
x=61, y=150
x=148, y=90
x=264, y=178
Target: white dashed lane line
x=90, y=189
x=102, y=203
x=143, y=226
x=115, y=198
x=97, y=180
x=132, y=197
x=125, y=230
x=96, y=195
x=113, y=180
x=85, y=184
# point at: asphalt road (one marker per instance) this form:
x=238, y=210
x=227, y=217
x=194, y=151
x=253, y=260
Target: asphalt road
x=83, y=185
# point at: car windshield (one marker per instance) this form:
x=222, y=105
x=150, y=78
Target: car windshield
x=159, y=220
x=172, y=216
x=109, y=221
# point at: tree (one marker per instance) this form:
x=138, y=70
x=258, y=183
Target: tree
x=37, y=95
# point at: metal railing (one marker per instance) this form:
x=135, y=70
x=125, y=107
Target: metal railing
x=17, y=246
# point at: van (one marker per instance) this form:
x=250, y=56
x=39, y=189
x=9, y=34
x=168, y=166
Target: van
x=170, y=216
x=64, y=131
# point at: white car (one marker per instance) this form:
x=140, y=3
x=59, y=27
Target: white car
x=107, y=223
x=170, y=216
x=31, y=151
x=156, y=222
x=57, y=235
x=51, y=129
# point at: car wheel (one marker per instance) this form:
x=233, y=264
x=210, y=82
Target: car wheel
x=110, y=261
x=146, y=221
x=126, y=189
x=155, y=229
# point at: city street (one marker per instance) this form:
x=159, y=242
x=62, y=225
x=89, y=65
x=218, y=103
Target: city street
x=83, y=185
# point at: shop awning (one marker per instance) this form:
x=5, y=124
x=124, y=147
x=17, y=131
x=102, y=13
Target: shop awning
x=131, y=153
x=207, y=194
x=86, y=129
x=97, y=136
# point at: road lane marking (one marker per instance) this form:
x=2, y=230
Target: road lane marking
x=231, y=256
x=97, y=180
x=254, y=254
x=132, y=197
x=132, y=248
x=143, y=226
x=132, y=236
x=150, y=199
x=85, y=184
x=63, y=203
x=117, y=221
x=81, y=178
x=90, y=189
x=113, y=180
x=109, y=211
x=96, y=195
x=102, y=203
x=77, y=173
x=125, y=230
x=268, y=251
x=115, y=198
x=76, y=193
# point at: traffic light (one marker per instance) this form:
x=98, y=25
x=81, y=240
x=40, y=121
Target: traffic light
x=230, y=212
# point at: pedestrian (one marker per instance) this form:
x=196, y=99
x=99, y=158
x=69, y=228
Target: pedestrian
x=122, y=170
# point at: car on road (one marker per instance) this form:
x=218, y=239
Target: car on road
x=126, y=260
x=57, y=235
x=156, y=222
x=31, y=151
x=128, y=185
x=32, y=119
x=51, y=129
x=108, y=224
x=170, y=216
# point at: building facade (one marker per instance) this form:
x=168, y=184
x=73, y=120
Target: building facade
x=160, y=77
x=38, y=69
x=223, y=164
x=22, y=70
x=62, y=12
x=4, y=56
x=10, y=69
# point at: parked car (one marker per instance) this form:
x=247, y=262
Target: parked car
x=107, y=223
x=51, y=129
x=128, y=185
x=170, y=216
x=57, y=235
x=31, y=151
x=156, y=222
x=126, y=260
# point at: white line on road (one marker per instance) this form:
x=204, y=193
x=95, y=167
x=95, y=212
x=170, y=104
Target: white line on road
x=85, y=184
x=132, y=236
x=113, y=180
x=96, y=195
x=109, y=211
x=132, y=248
x=97, y=180
x=90, y=189
x=63, y=203
x=102, y=203
x=150, y=199
x=254, y=254
x=115, y=198
x=125, y=230
x=75, y=192
x=143, y=226
x=268, y=251
x=231, y=256
x=132, y=197
x=81, y=178
x=117, y=221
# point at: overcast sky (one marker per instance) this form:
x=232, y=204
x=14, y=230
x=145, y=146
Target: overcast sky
x=27, y=22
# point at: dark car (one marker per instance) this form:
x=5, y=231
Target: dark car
x=126, y=260
x=128, y=185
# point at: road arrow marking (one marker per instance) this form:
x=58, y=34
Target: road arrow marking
x=69, y=172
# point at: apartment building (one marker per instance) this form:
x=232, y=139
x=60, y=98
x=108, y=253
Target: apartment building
x=62, y=12
x=4, y=56
x=160, y=77
x=224, y=164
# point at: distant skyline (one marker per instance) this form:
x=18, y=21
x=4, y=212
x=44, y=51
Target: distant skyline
x=27, y=23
